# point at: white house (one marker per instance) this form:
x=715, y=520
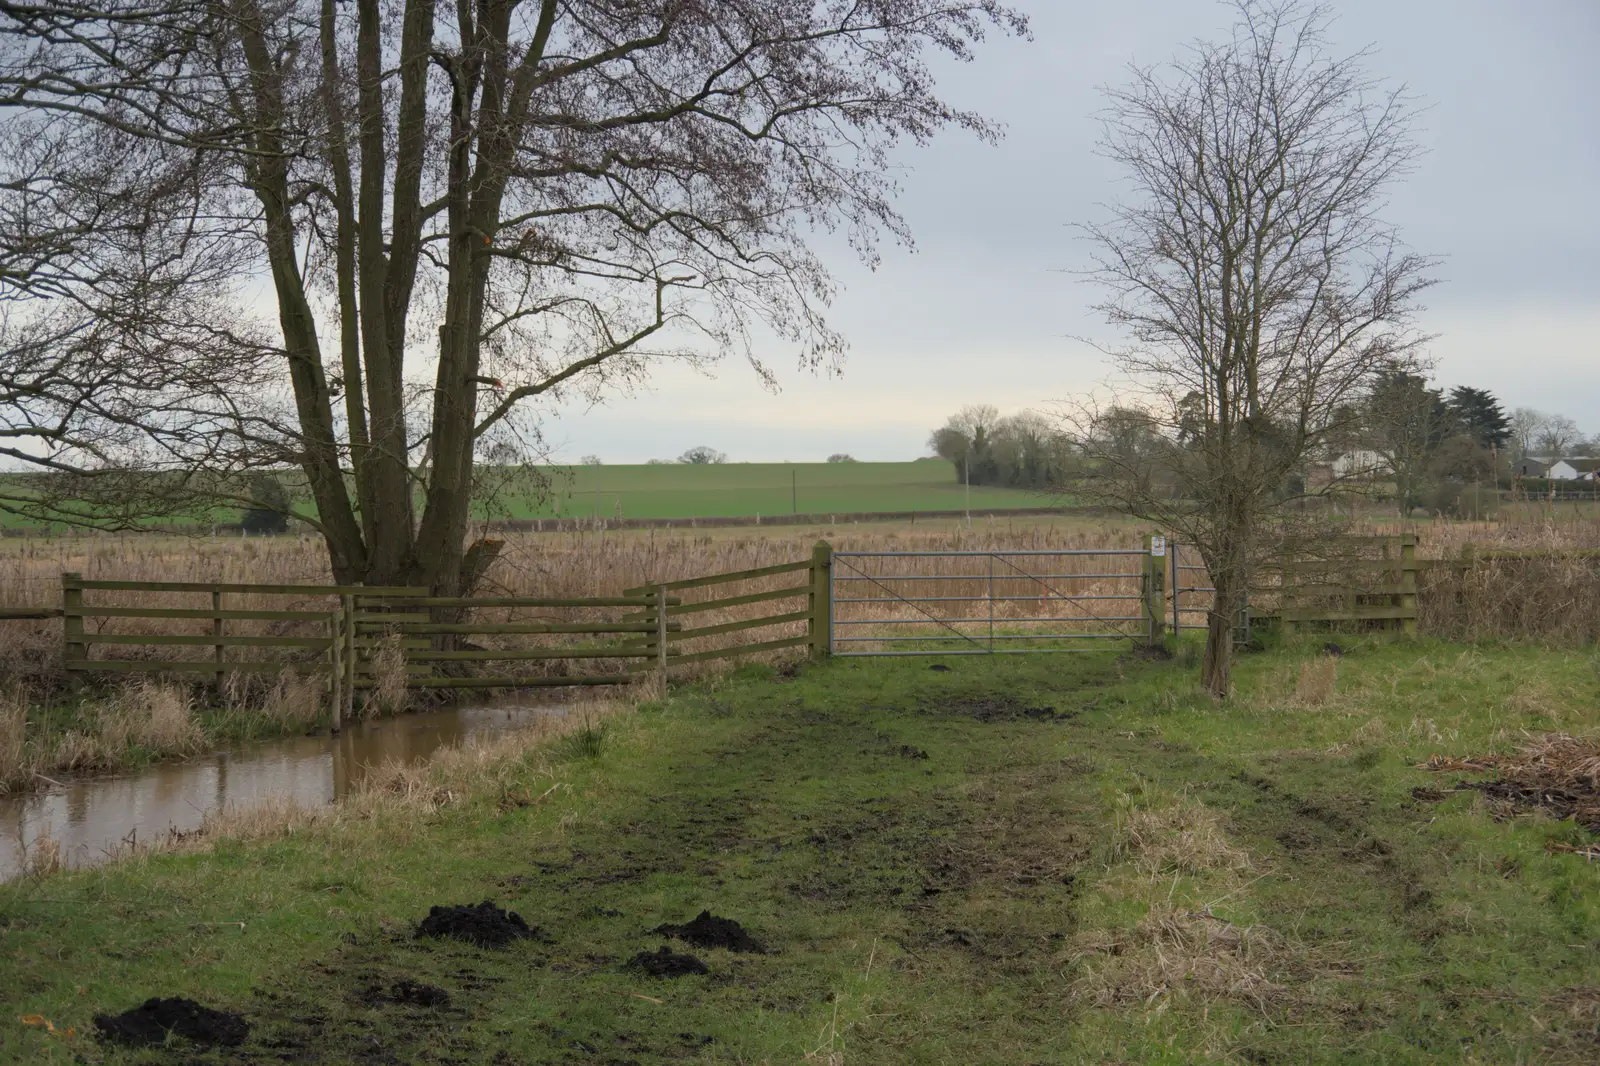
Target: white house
x=1359, y=463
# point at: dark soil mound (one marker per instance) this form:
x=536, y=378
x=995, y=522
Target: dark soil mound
x=1331, y=648
x=1159, y=653
x=939, y=668
x=908, y=752
x=485, y=925
x=709, y=931
x=417, y=994
x=667, y=963
x=151, y=1021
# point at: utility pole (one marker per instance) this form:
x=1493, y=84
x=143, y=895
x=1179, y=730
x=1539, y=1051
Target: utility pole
x=966, y=478
x=794, y=491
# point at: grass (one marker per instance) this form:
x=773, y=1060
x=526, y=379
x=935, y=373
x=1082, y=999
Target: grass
x=1135, y=875
x=745, y=489
x=706, y=491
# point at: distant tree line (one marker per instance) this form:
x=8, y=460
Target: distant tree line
x=1400, y=436
x=1023, y=450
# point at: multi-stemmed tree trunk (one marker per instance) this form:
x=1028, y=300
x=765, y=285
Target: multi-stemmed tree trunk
x=462, y=207
x=1257, y=288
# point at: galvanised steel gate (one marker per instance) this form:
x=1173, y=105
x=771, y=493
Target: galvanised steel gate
x=995, y=602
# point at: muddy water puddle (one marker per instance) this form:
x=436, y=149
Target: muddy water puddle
x=92, y=818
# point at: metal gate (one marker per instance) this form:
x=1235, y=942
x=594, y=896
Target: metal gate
x=990, y=602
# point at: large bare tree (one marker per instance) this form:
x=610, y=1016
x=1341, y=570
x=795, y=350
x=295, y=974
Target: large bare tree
x=1256, y=288
x=458, y=208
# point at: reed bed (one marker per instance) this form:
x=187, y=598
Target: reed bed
x=1555, y=599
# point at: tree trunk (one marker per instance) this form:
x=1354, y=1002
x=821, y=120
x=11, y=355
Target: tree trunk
x=1229, y=577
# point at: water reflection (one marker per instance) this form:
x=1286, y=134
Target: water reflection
x=93, y=817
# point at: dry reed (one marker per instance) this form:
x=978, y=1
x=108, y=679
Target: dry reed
x=1553, y=600
x=44, y=858
x=388, y=692
x=14, y=768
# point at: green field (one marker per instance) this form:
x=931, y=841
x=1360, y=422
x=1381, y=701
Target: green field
x=710, y=491
x=741, y=489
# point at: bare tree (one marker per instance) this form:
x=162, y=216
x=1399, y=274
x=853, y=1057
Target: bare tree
x=1527, y=424
x=464, y=207
x=120, y=371
x=1256, y=287
x=1559, y=436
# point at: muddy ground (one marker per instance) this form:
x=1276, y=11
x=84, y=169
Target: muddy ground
x=926, y=863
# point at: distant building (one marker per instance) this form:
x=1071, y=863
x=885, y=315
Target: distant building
x=1574, y=469
x=1588, y=469
x=1359, y=463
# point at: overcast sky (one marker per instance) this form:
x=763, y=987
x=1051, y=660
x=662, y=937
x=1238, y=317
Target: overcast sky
x=984, y=309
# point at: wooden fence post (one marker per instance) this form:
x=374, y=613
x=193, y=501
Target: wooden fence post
x=819, y=627
x=347, y=604
x=335, y=669
x=216, y=631
x=660, y=597
x=1154, y=587
x=1177, y=586
x=1408, y=582
x=73, y=647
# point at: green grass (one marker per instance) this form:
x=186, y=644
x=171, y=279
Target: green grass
x=716, y=490
x=1056, y=887
x=744, y=489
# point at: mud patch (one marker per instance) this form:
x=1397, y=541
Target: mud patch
x=939, y=668
x=485, y=925
x=906, y=751
x=151, y=1022
x=709, y=931
x=667, y=963
x=1155, y=653
x=417, y=994
x=1002, y=709
x=1557, y=773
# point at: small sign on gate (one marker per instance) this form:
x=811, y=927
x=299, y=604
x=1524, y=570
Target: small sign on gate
x=1158, y=545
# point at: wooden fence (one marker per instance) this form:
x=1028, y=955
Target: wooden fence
x=1357, y=579
x=343, y=632
x=340, y=632
x=812, y=616
x=1365, y=579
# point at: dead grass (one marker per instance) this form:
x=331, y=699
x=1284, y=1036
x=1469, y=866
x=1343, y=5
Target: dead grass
x=1315, y=685
x=292, y=699
x=44, y=858
x=1555, y=772
x=14, y=769
x=1174, y=954
x=388, y=692
x=1177, y=834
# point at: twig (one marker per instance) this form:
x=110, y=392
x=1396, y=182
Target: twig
x=51, y=780
x=1238, y=890
x=650, y=999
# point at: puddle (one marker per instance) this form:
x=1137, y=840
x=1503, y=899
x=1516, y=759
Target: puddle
x=94, y=817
